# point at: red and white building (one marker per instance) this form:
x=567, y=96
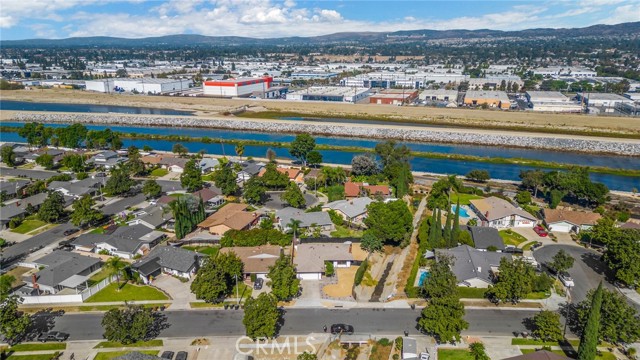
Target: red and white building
x=241, y=87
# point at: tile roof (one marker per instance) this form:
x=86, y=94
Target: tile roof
x=353, y=189
x=570, y=216
x=310, y=258
x=231, y=215
x=292, y=173
x=256, y=259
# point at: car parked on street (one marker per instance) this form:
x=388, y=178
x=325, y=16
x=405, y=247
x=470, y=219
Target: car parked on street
x=542, y=232
x=182, y=355
x=167, y=355
x=536, y=245
x=70, y=231
x=566, y=279
x=342, y=329
x=53, y=336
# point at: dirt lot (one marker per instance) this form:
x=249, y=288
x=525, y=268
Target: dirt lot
x=210, y=106
x=345, y=283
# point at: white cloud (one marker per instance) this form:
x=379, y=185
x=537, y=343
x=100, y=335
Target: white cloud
x=625, y=13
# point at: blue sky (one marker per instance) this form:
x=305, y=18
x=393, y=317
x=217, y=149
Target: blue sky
x=23, y=19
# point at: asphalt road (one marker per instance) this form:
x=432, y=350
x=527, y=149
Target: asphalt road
x=41, y=240
x=170, y=185
x=120, y=205
x=34, y=174
x=301, y=321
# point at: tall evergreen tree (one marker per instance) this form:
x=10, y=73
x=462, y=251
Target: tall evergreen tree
x=432, y=230
x=439, y=228
x=446, y=232
x=456, y=226
x=590, y=334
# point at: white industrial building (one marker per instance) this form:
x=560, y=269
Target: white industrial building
x=605, y=102
x=558, y=71
x=330, y=93
x=439, y=95
x=552, y=101
x=143, y=85
x=240, y=87
x=400, y=79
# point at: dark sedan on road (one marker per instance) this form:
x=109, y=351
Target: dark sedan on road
x=53, y=336
x=342, y=329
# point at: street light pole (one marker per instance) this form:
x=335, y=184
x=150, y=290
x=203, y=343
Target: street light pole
x=237, y=299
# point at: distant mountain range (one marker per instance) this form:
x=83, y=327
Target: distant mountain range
x=632, y=28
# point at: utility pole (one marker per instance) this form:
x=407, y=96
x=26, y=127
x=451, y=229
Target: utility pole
x=237, y=298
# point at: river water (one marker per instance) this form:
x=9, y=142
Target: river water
x=87, y=108
x=497, y=171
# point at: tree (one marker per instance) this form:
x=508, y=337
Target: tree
x=390, y=222
x=74, y=162
x=395, y=166
x=619, y=321
x=216, y=278
x=240, y=150
x=274, y=179
x=591, y=334
x=271, y=155
x=84, y=213
x=532, y=179
x=523, y=197
x=188, y=212
x=71, y=136
x=191, y=177
x=443, y=318
x=151, y=189
x=331, y=176
x=364, y=165
x=6, y=284
x=122, y=73
x=179, y=149
x=477, y=349
x=455, y=230
x=623, y=256
x=254, y=191
x=45, y=160
x=284, y=282
x=225, y=179
x=546, y=326
x=294, y=225
x=514, y=282
x=36, y=134
x=293, y=196
x=370, y=242
x=301, y=146
x=52, y=209
x=8, y=156
x=442, y=281
x=129, y=325
x=118, y=183
x=561, y=261
x=13, y=322
x=135, y=166
x=262, y=316
x=115, y=265
x=555, y=197
x=314, y=158
x=478, y=175
x=307, y=356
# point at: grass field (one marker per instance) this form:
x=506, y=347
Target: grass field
x=511, y=237
x=454, y=354
x=464, y=198
x=28, y=226
x=113, y=344
x=127, y=293
x=159, y=172
x=108, y=355
x=31, y=357
x=343, y=232
x=84, y=308
x=38, y=346
x=208, y=250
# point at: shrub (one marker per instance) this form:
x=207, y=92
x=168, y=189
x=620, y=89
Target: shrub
x=255, y=237
x=336, y=219
x=254, y=277
x=384, y=342
x=360, y=273
x=399, y=343
x=328, y=268
x=15, y=222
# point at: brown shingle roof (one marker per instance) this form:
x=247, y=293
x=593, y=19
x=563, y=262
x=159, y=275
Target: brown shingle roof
x=539, y=355
x=573, y=217
x=256, y=259
x=352, y=189
x=310, y=258
x=292, y=173
x=231, y=215
x=494, y=208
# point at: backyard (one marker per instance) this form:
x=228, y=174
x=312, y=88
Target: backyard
x=464, y=198
x=127, y=293
x=344, y=232
x=511, y=238
x=207, y=250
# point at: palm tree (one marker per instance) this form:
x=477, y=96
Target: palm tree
x=294, y=225
x=115, y=266
x=240, y=150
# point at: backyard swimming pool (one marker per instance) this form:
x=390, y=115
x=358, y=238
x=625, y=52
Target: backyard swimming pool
x=463, y=211
x=424, y=274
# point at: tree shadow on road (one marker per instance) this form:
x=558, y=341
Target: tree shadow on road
x=594, y=261
x=43, y=321
x=159, y=324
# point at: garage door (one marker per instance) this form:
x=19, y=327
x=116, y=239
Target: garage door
x=560, y=228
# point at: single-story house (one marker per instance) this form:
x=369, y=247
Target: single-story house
x=125, y=242
x=62, y=269
x=57, y=155
x=472, y=267
x=12, y=189
x=499, y=213
x=307, y=219
x=208, y=165
x=78, y=188
x=18, y=208
x=630, y=225
x=485, y=237
x=357, y=189
x=539, y=355
x=353, y=210
x=169, y=260
x=210, y=197
x=256, y=259
x=108, y=159
x=310, y=258
x=173, y=164
x=152, y=217
x=9, y=212
x=562, y=220
x=249, y=169
x=231, y=216
x=294, y=174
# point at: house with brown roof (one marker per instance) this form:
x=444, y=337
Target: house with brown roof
x=294, y=174
x=231, y=216
x=564, y=220
x=171, y=163
x=256, y=259
x=539, y=355
x=310, y=258
x=359, y=189
x=499, y=213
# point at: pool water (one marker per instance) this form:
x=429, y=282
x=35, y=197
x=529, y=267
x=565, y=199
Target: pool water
x=463, y=211
x=424, y=274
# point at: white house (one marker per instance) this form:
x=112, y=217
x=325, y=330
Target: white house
x=310, y=258
x=499, y=213
x=473, y=268
x=561, y=220
x=169, y=260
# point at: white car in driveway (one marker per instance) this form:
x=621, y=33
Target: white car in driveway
x=566, y=279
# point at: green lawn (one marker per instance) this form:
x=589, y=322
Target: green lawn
x=39, y=346
x=98, y=230
x=527, y=246
x=454, y=354
x=521, y=341
x=31, y=357
x=113, y=344
x=208, y=250
x=99, y=276
x=343, y=232
x=464, y=198
x=28, y=226
x=244, y=291
x=200, y=305
x=159, y=172
x=511, y=237
x=127, y=293
x=537, y=295
x=108, y=355
x=471, y=293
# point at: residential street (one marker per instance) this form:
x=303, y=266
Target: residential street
x=302, y=321
x=41, y=240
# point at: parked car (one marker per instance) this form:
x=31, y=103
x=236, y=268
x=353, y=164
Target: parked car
x=536, y=245
x=70, y=231
x=566, y=279
x=167, y=355
x=53, y=336
x=424, y=356
x=542, y=232
x=258, y=284
x=341, y=329
x=182, y=355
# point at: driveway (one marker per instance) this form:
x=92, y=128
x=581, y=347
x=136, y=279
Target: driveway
x=180, y=292
x=310, y=296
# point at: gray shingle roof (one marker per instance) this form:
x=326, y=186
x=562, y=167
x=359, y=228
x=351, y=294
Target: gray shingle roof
x=168, y=257
x=125, y=238
x=61, y=265
x=10, y=187
x=10, y=211
x=307, y=219
x=469, y=263
x=484, y=237
x=351, y=208
x=310, y=258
